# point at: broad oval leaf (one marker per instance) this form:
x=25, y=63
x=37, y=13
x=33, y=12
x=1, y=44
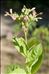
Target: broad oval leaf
x=34, y=52
x=37, y=65
x=34, y=56
x=32, y=41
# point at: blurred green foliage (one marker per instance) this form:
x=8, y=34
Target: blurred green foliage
x=42, y=34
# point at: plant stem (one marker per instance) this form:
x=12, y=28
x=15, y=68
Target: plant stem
x=25, y=31
x=26, y=37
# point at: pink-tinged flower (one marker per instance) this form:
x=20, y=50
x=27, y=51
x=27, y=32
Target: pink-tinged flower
x=25, y=19
x=12, y=15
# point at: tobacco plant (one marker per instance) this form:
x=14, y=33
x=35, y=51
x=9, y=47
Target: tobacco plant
x=30, y=49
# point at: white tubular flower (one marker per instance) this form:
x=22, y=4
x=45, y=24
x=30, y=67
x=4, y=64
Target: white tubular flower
x=11, y=11
x=6, y=14
x=33, y=8
x=39, y=17
x=12, y=15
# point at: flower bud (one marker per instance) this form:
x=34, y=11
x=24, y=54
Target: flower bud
x=25, y=19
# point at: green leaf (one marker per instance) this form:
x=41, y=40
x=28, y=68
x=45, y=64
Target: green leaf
x=10, y=68
x=20, y=45
x=37, y=65
x=34, y=53
x=18, y=71
x=32, y=41
x=15, y=69
x=36, y=50
x=34, y=56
